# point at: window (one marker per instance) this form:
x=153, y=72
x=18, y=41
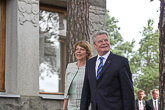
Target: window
x=52, y=49
x=2, y=44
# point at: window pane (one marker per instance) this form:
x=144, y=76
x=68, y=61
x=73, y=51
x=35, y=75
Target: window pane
x=51, y=51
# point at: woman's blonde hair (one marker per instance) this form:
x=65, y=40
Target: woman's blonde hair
x=86, y=46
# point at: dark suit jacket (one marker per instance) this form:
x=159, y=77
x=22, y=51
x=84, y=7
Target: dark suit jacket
x=114, y=88
x=150, y=106
x=137, y=105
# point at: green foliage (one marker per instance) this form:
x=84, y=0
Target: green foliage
x=113, y=30
x=148, y=60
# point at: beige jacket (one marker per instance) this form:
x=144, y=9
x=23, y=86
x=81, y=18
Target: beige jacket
x=69, y=75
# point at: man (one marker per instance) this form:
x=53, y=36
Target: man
x=139, y=103
x=153, y=104
x=108, y=80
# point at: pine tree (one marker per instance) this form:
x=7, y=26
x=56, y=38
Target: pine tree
x=148, y=70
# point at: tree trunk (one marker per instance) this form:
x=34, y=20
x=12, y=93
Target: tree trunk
x=162, y=55
x=77, y=25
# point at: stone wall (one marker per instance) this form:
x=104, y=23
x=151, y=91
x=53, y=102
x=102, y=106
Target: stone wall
x=30, y=103
x=22, y=48
x=96, y=22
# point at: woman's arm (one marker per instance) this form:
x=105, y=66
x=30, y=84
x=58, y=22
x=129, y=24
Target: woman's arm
x=65, y=104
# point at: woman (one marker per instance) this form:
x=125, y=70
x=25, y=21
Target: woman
x=74, y=76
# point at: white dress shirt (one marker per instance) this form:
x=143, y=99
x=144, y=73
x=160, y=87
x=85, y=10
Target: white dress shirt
x=98, y=60
x=140, y=105
x=156, y=103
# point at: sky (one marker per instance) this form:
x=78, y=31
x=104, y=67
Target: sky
x=133, y=16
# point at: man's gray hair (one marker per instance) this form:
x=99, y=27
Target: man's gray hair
x=99, y=33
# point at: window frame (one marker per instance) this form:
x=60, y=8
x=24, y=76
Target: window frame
x=2, y=43
x=63, y=11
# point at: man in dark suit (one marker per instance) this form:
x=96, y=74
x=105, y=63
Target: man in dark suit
x=153, y=104
x=108, y=80
x=139, y=102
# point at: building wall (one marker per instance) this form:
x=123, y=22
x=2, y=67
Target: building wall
x=22, y=55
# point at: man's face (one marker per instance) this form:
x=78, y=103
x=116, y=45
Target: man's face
x=155, y=95
x=102, y=44
x=140, y=95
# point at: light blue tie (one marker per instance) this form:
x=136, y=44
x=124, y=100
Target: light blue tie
x=99, y=67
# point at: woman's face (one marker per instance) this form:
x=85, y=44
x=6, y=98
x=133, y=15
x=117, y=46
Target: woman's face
x=80, y=53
